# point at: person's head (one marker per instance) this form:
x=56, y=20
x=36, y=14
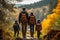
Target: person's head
x=0, y=11
x=23, y=9
x=38, y=21
x=15, y=21
x=31, y=14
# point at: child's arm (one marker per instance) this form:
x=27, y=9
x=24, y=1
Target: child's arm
x=40, y=27
x=36, y=27
x=18, y=27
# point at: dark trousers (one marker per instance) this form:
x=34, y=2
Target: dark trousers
x=1, y=34
x=32, y=30
x=38, y=33
x=24, y=29
x=16, y=32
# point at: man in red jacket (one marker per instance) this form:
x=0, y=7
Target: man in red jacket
x=23, y=18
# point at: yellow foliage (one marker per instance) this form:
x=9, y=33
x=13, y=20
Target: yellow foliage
x=49, y=21
x=46, y=23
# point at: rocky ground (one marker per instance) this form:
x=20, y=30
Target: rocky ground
x=26, y=39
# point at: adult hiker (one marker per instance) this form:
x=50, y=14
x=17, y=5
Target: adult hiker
x=23, y=19
x=32, y=22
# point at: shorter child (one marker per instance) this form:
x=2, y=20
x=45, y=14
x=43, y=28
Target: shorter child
x=16, y=28
x=38, y=28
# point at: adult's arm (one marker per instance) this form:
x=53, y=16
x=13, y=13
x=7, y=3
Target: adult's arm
x=35, y=20
x=27, y=17
x=19, y=19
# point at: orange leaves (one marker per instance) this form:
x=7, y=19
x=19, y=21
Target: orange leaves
x=49, y=21
x=58, y=8
x=46, y=23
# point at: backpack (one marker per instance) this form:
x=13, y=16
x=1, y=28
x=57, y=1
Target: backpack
x=16, y=27
x=24, y=18
x=32, y=20
x=38, y=26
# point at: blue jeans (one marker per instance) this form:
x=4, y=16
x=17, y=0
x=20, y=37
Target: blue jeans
x=31, y=30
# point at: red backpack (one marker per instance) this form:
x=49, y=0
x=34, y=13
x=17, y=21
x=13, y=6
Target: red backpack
x=32, y=20
x=38, y=26
x=24, y=18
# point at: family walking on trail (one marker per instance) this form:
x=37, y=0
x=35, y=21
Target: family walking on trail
x=25, y=20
